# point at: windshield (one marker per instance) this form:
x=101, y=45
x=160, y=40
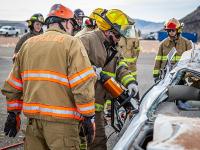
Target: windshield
x=4, y=27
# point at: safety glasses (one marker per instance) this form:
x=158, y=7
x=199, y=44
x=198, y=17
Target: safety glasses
x=171, y=30
x=117, y=35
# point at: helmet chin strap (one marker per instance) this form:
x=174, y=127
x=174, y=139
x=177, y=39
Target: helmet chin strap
x=174, y=37
x=112, y=43
x=61, y=26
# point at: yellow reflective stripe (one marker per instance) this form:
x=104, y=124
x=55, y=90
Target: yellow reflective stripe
x=126, y=79
x=99, y=107
x=158, y=58
x=155, y=72
x=177, y=58
x=129, y=60
x=164, y=58
x=108, y=102
x=109, y=73
x=121, y=63
x=138, y=49
x=134, y=73
x=83, y=146
x=34, y=17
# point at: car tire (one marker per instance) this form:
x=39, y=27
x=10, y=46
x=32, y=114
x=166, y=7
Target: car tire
x=16, y=34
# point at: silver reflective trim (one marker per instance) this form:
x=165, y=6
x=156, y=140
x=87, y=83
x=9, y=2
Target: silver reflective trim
x=14, y=105
x=18, y=84
x=81, y=76
x=49, y=110
x=87, y=108
x=45, y=75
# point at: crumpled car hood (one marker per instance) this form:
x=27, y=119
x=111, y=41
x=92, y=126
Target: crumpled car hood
x=171, y=133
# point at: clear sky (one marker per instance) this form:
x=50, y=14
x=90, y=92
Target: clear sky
x=151, y=10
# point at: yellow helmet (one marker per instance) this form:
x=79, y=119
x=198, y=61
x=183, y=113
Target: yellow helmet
x=96, y=11
x=113, y=19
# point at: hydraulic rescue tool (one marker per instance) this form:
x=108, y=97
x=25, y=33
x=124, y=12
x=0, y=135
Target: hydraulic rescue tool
x=121, y=101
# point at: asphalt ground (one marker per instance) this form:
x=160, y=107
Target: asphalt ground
x=145, y=80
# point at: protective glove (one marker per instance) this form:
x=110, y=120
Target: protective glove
x=12, y=124
x=98, y=71
x=156, y=79
x=89, y=128
x=14, y=57
x=132, y=88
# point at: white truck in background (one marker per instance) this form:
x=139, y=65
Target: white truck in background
x=9, y=31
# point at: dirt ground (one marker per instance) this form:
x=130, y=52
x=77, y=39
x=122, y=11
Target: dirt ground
x=146, y=45
x=8, y=41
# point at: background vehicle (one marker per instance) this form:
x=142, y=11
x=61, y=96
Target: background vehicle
x=145, y=132
x=9, y=30
x=150, y=36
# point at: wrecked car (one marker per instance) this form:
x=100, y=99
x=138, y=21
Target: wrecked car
x=169, y=112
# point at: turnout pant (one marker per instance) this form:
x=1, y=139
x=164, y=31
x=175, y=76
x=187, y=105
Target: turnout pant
x=44, y=135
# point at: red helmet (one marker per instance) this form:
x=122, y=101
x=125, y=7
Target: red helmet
x=60, y=11
x=90, y=23
x=173, y=24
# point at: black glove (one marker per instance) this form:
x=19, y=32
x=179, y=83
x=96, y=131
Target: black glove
x=89, y=128
x=156, y=79
x=12, y=124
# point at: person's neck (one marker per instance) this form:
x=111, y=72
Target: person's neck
x=172, y=38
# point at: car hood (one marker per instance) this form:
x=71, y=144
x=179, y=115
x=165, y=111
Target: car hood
x=177, y=133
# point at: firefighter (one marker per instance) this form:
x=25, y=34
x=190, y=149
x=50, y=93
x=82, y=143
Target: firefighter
x=35, y=24
x=79, y=15
x=53, y=75
x=90, y=23
x=130, y=48
x=101, y=48
x=174, y=29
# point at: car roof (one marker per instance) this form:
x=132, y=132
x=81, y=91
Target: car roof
x=7, y=26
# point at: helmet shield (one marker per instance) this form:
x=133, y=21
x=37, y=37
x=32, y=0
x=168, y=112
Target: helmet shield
x=128, y=31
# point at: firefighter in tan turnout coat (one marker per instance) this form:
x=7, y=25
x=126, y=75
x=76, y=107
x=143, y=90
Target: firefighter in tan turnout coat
x=173, y=28
x=130, y=49
x=52, y=82
x=101, y=48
